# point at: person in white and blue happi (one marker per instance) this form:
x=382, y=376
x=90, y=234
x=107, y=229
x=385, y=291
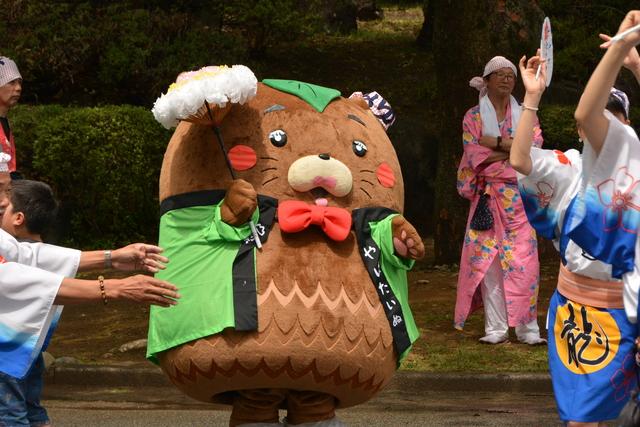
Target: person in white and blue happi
x=591, y=336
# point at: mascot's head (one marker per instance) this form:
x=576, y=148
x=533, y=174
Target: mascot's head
x=292, y=141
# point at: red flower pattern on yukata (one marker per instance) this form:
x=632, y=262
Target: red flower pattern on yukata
x=562, y=158
x=617, y=196
x=623, y=380
x=544, y=194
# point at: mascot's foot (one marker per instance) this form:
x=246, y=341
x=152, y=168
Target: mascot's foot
x=257, y=407
x=311, y=409
x=333, y=422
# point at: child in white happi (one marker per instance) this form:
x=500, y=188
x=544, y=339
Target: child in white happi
x=591, y=341
x=30, y=212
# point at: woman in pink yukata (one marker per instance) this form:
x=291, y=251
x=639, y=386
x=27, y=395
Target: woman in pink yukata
x=499, y=265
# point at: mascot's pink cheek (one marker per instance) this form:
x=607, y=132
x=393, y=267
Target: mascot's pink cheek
x=242, y=157
x=385, y=175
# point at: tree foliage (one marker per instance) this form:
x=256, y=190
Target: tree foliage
x=576, y=26
x=128, y=51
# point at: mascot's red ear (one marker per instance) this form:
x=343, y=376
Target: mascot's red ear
x=378, y=106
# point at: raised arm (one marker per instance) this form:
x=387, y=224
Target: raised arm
x=590, y=112
x=519, y=156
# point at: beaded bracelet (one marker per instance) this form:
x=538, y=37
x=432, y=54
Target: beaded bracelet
x=102, y=292
x=526, y=107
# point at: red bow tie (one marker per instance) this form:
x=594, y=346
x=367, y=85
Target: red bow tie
x=294, y=216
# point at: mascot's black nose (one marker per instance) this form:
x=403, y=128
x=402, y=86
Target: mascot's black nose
x=324, y=156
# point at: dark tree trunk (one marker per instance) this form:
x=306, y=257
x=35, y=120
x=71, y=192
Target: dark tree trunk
x=465, y=36
x=425, y=37
x=368, y=10
x=341, y=16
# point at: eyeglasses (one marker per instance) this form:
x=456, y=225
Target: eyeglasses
x=505, y=76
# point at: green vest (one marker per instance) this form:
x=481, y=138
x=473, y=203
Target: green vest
x=204, y=251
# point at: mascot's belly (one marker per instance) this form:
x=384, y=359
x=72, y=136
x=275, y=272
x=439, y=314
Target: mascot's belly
x=321, y=327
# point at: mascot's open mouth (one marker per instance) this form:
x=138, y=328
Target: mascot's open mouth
x=320, y=195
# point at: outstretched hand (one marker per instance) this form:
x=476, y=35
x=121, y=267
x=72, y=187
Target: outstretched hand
x=528, y=70
x=143, y=289
x=139, y=257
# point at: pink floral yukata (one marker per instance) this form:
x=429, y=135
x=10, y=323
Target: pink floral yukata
x=511, y=238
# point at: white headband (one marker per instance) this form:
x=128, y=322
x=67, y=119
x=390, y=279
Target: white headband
x=496, y=63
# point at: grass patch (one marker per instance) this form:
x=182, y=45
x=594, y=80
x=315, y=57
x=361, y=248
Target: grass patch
x=398, y=23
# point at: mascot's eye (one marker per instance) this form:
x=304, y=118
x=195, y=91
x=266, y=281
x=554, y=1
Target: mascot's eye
x=360, y=148
x=278, y=138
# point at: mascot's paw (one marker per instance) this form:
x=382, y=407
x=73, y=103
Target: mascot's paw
x=239, y=203
x=406, y=240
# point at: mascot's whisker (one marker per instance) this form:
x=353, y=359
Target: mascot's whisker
x=270, y=180
x=366, y=170
x=365, y=192
x=268, y=158
x=368, y=182
x=269, y=169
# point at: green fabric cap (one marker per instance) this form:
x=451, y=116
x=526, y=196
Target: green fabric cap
x=317, y=96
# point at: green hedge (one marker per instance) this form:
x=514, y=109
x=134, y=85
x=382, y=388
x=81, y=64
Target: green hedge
x=103, y=164
x=559, y=126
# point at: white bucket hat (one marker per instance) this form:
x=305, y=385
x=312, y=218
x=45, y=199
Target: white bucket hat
x=8, y=71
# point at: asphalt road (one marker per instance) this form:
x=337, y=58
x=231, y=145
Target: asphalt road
x=395, y=406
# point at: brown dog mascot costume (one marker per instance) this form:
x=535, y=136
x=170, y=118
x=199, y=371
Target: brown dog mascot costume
x=293, y=274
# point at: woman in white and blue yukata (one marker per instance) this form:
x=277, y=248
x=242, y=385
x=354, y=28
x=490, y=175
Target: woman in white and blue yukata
x=591, y=335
